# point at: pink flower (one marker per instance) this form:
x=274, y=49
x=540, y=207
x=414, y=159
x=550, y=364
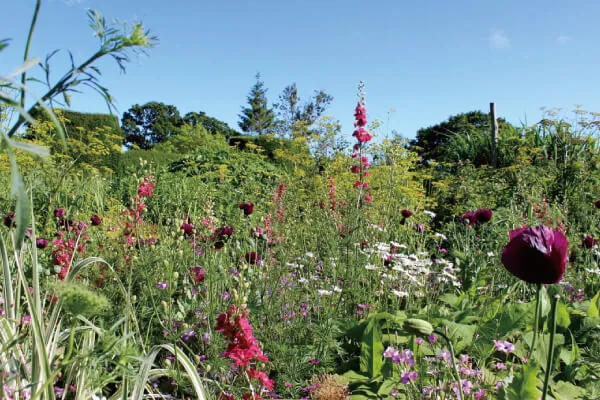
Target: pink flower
x=197, y=274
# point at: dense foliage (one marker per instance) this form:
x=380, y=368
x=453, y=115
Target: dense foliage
x=202, y=264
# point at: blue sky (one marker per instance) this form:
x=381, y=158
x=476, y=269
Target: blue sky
x=426, y=60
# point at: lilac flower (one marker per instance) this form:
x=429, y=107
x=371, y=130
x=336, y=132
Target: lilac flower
x=409, y=377
x=432, y=338
x=162, y=285
x=504, y=346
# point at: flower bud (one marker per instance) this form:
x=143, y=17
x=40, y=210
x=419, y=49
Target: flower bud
x=175, y=275
x=418, y=327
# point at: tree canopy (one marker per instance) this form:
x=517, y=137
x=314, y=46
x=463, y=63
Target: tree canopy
x=149, y=124
x=447, y=140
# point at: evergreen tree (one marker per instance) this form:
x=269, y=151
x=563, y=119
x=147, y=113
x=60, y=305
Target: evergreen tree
x=258, y=117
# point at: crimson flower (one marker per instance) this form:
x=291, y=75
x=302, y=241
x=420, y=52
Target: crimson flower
x=96, y=220
x=188, y=229
x=483, y=215
x=248, y=208
x=9, y=220
x=589, y=242
x=252, y=257
x=197, y=274
x=59, y=212
x=536, y=255
x=468, y=218
x=41, y=243
x=406, y=213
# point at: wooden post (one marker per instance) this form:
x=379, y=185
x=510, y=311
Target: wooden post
x=494, y=131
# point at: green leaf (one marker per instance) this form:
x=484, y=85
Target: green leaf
x=594, y=309
x=563, y=319
x=354, y=376
x=371, y=352
x=566, y=390
x=22, y=208
x=386, y=387
x=524, y=385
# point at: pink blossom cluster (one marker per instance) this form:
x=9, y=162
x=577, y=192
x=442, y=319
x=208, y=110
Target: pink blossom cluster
x=70, y=240
x=138, y=206
x=362, y=137
x=243, y=347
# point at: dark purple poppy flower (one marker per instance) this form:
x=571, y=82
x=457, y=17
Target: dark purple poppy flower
x=536, y=255
x=9, y=220
x=96, y=220
x=483, y=215
x=59, y=212
x=248, y=208
x=187, y=228
x=252, y=257
x=468, y=218
x=224, y=233
x=597, y=203
x=41, y=243
x=589, y=242
x=406, y=213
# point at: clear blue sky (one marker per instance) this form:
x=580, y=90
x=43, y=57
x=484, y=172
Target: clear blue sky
x=425, y=59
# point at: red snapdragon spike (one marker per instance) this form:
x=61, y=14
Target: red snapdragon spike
x=536, y=255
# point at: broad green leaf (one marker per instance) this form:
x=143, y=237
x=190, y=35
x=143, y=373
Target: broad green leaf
x=354, y=376
x=371, y=352
x=524, y=384
x=566, y=390
x=22, y=215
x=594, y=309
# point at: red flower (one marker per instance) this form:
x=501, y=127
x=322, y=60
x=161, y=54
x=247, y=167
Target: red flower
x=589, y=242
x=9, y=220
x=197, y=274
x=96, y=220
x=41, y=243
x=247, y=207
x=187, y=228
x=59, y=212
x=483, y=215
x=360, y=115
x=536, y=255
x=252, y=257
x=406, y=213
x=468, y=218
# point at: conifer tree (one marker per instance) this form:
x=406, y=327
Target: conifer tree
x=257, y=118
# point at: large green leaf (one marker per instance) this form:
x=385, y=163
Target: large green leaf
x=524, y=384
x=371, y=349
x=594, y=309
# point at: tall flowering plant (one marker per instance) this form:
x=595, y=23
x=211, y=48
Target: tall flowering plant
x=362, y=137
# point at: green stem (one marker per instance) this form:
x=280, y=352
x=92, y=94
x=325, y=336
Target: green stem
x=550, y=347
x=536, y=322
x=454, y=366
